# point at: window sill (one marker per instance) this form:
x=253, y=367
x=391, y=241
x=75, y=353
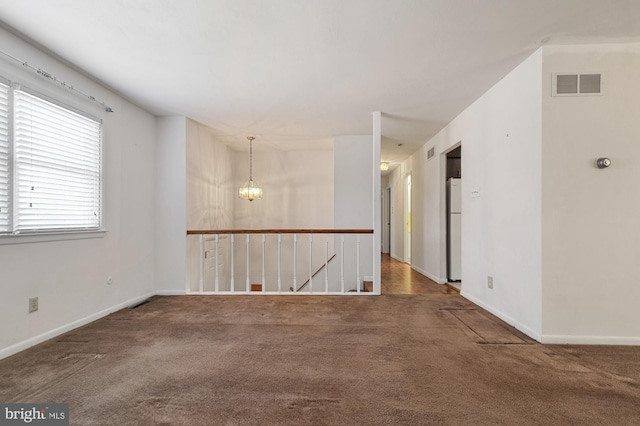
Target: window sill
x=50, y=237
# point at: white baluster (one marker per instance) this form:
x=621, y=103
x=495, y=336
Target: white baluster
x=233, y=282
x=358, y=263
x=217, y=286
x=310, y=266
x=203, y=253
x=279, y=261
x=342, y=262
x=264, y=286
x=248, y=283
x=326, y=263
x=295, y=249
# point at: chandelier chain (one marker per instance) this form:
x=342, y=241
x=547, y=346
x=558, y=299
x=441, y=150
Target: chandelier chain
x=251, y=138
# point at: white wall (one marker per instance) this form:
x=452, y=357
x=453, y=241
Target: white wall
x=171, y=205
x=426, y=213
x=70, y=277
x=501, y=229
x=396, y=182
x=501, y=156
x=353, y=181
x=211, y=189
x=354, y=190
x=297, y=187
x=376, y=146
x=385, y=216
x=591, y=231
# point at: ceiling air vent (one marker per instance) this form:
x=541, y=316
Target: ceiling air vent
x=565, y=84
x=431, y=152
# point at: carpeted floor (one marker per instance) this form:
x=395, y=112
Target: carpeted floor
x=426, y=359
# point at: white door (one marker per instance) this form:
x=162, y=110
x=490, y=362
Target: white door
x=210, y=264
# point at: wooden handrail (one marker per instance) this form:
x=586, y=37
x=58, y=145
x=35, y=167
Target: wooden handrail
x=279, y=231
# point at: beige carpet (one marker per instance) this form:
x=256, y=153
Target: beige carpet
x=432, y=359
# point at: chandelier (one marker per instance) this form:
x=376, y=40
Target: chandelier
x=250, y=190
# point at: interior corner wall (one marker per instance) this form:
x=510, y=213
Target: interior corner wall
x=500, y=135
x=70, y=276
x=210, y=184
x=210, y=190
x=171, y=205
x=590, y=225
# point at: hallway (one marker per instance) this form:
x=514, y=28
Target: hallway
x=398, y=278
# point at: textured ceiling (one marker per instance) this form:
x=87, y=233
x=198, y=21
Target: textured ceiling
x=296, y=72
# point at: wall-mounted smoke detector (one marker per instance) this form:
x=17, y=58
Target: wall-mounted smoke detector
x=574, y=84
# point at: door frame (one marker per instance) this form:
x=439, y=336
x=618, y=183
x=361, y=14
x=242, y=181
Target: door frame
x=386, y=220
x=407, y=217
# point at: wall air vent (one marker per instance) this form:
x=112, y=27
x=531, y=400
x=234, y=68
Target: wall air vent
x=566, y=84
x=431, y=153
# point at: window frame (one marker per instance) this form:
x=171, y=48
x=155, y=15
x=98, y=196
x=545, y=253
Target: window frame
x=7, y=82
x=49, y=234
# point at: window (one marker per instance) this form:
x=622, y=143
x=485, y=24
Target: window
x=50, y=166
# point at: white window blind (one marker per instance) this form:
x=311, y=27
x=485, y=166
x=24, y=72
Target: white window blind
x=57, y=167
x=5, y=174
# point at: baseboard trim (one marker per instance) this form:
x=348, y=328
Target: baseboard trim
x=557, y=339
x=170, y=292
x=428, y=275
x=393, y=256
x=25, y=344
x=504, y=317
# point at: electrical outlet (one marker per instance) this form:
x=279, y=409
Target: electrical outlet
x=490, y=282
x=33, y=304
x=109, y=280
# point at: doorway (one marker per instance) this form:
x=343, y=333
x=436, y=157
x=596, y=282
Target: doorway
x=386, y=221
x=453, y=215
x=407, y=222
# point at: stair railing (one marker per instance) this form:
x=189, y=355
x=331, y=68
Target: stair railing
x=218, y=262
x=324, y=267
